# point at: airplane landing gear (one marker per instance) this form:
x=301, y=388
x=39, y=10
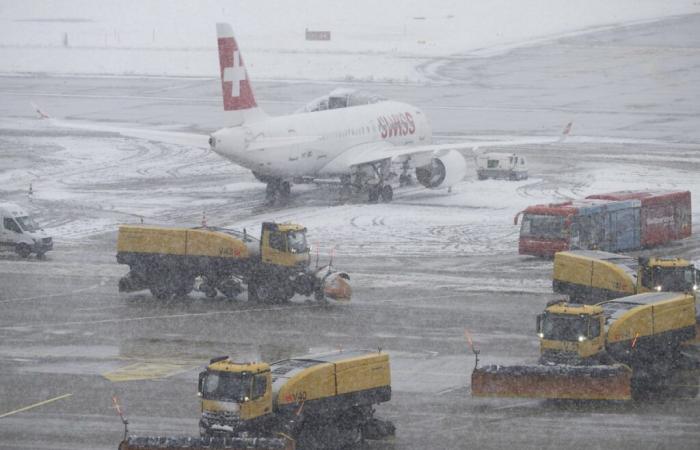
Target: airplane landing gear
x=387, y=193
x=278, y=190
x=383, y=191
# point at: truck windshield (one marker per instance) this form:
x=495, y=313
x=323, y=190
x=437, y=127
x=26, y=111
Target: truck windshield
x=296, y=241
x=225, y=386
x=561, y=327
x=27, y=224
x=674, y=279
x=540, y=226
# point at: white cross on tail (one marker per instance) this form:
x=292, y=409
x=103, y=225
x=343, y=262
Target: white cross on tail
x=236, y=74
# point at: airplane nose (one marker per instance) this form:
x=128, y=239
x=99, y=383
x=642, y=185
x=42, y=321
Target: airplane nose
x=228, y=143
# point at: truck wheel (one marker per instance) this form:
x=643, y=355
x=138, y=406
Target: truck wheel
x=23, y=250
x=161, y=291
x=257, y=293
x=184, y=287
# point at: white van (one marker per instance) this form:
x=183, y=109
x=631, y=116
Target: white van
x=20, y=233
x=507, y=166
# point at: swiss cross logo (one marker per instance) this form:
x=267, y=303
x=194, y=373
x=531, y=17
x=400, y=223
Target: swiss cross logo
x=234, y=79
x=235, y=74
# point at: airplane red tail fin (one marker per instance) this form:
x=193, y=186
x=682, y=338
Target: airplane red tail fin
x=239, y=101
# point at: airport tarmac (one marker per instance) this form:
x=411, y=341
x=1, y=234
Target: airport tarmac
x=424, y=268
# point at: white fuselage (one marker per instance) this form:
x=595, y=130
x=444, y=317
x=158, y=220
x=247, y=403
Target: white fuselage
x=338, y=133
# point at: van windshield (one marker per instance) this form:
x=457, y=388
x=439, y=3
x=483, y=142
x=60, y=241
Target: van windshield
x=27, y=224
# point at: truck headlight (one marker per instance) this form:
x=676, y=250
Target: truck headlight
x=658, y=288
x=581, y=338
x=695, y=287
x=541, y=335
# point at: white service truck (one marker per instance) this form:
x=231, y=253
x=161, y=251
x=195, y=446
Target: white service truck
x=19, y=232
x=507, y=166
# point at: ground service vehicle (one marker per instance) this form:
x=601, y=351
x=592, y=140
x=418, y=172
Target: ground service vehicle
x=610, y=351
x=613, y=222
x=664, y=216
x=19, y=232
x=316, y=401
x=169, y=260
x=589, y=276
x=507, y=166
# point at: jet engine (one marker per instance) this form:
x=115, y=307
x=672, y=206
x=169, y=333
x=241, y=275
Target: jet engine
x=442, y=171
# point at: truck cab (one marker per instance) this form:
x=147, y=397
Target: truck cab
x=19, y=232
x=284, y=244
x=235, y=396
x=571, y=334
x=667, y=275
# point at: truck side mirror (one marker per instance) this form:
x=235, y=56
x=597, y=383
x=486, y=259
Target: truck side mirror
x=200, y=384
x=539, y=324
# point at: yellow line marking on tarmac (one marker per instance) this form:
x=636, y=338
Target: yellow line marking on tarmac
x=35, y=405
x=165, y=316
x=146, y=371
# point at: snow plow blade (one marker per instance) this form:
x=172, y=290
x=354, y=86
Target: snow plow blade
x=554, y=382
x=205, y=443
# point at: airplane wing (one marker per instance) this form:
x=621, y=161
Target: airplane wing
x=384, y=150
x=169, y=137
x=389, y=151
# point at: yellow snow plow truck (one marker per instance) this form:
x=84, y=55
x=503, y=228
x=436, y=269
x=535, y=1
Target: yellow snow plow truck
x=275, y=267
x=615, y=350
x=321, y=401
x=589, y=276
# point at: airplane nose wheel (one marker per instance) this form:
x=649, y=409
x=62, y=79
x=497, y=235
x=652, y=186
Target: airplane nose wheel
x=387, y=193
x=278, y=190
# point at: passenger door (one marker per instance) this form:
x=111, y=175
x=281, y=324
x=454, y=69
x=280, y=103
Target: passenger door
x=9, y=230
x=624, y=227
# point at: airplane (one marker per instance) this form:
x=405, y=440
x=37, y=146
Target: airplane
x=348, y=137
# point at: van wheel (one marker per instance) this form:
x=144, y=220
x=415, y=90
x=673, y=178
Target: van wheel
x=23, y=250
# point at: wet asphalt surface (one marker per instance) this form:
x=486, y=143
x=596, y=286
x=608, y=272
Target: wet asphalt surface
x=65, y=330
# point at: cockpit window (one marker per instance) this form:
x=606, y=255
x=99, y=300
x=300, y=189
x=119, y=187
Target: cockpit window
x=341, y=98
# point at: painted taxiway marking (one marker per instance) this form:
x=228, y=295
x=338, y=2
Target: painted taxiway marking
x=36, y=405
x=146, y=371
x=41, y=297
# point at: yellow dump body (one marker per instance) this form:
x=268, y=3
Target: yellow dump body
x=318, y=377
x=594, y=276
x=182, y=242
x=653, y=319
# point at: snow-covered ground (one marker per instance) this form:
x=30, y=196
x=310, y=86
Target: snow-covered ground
x=370, y=40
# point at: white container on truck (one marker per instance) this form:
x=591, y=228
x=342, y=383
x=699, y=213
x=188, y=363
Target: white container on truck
x=19, y=232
